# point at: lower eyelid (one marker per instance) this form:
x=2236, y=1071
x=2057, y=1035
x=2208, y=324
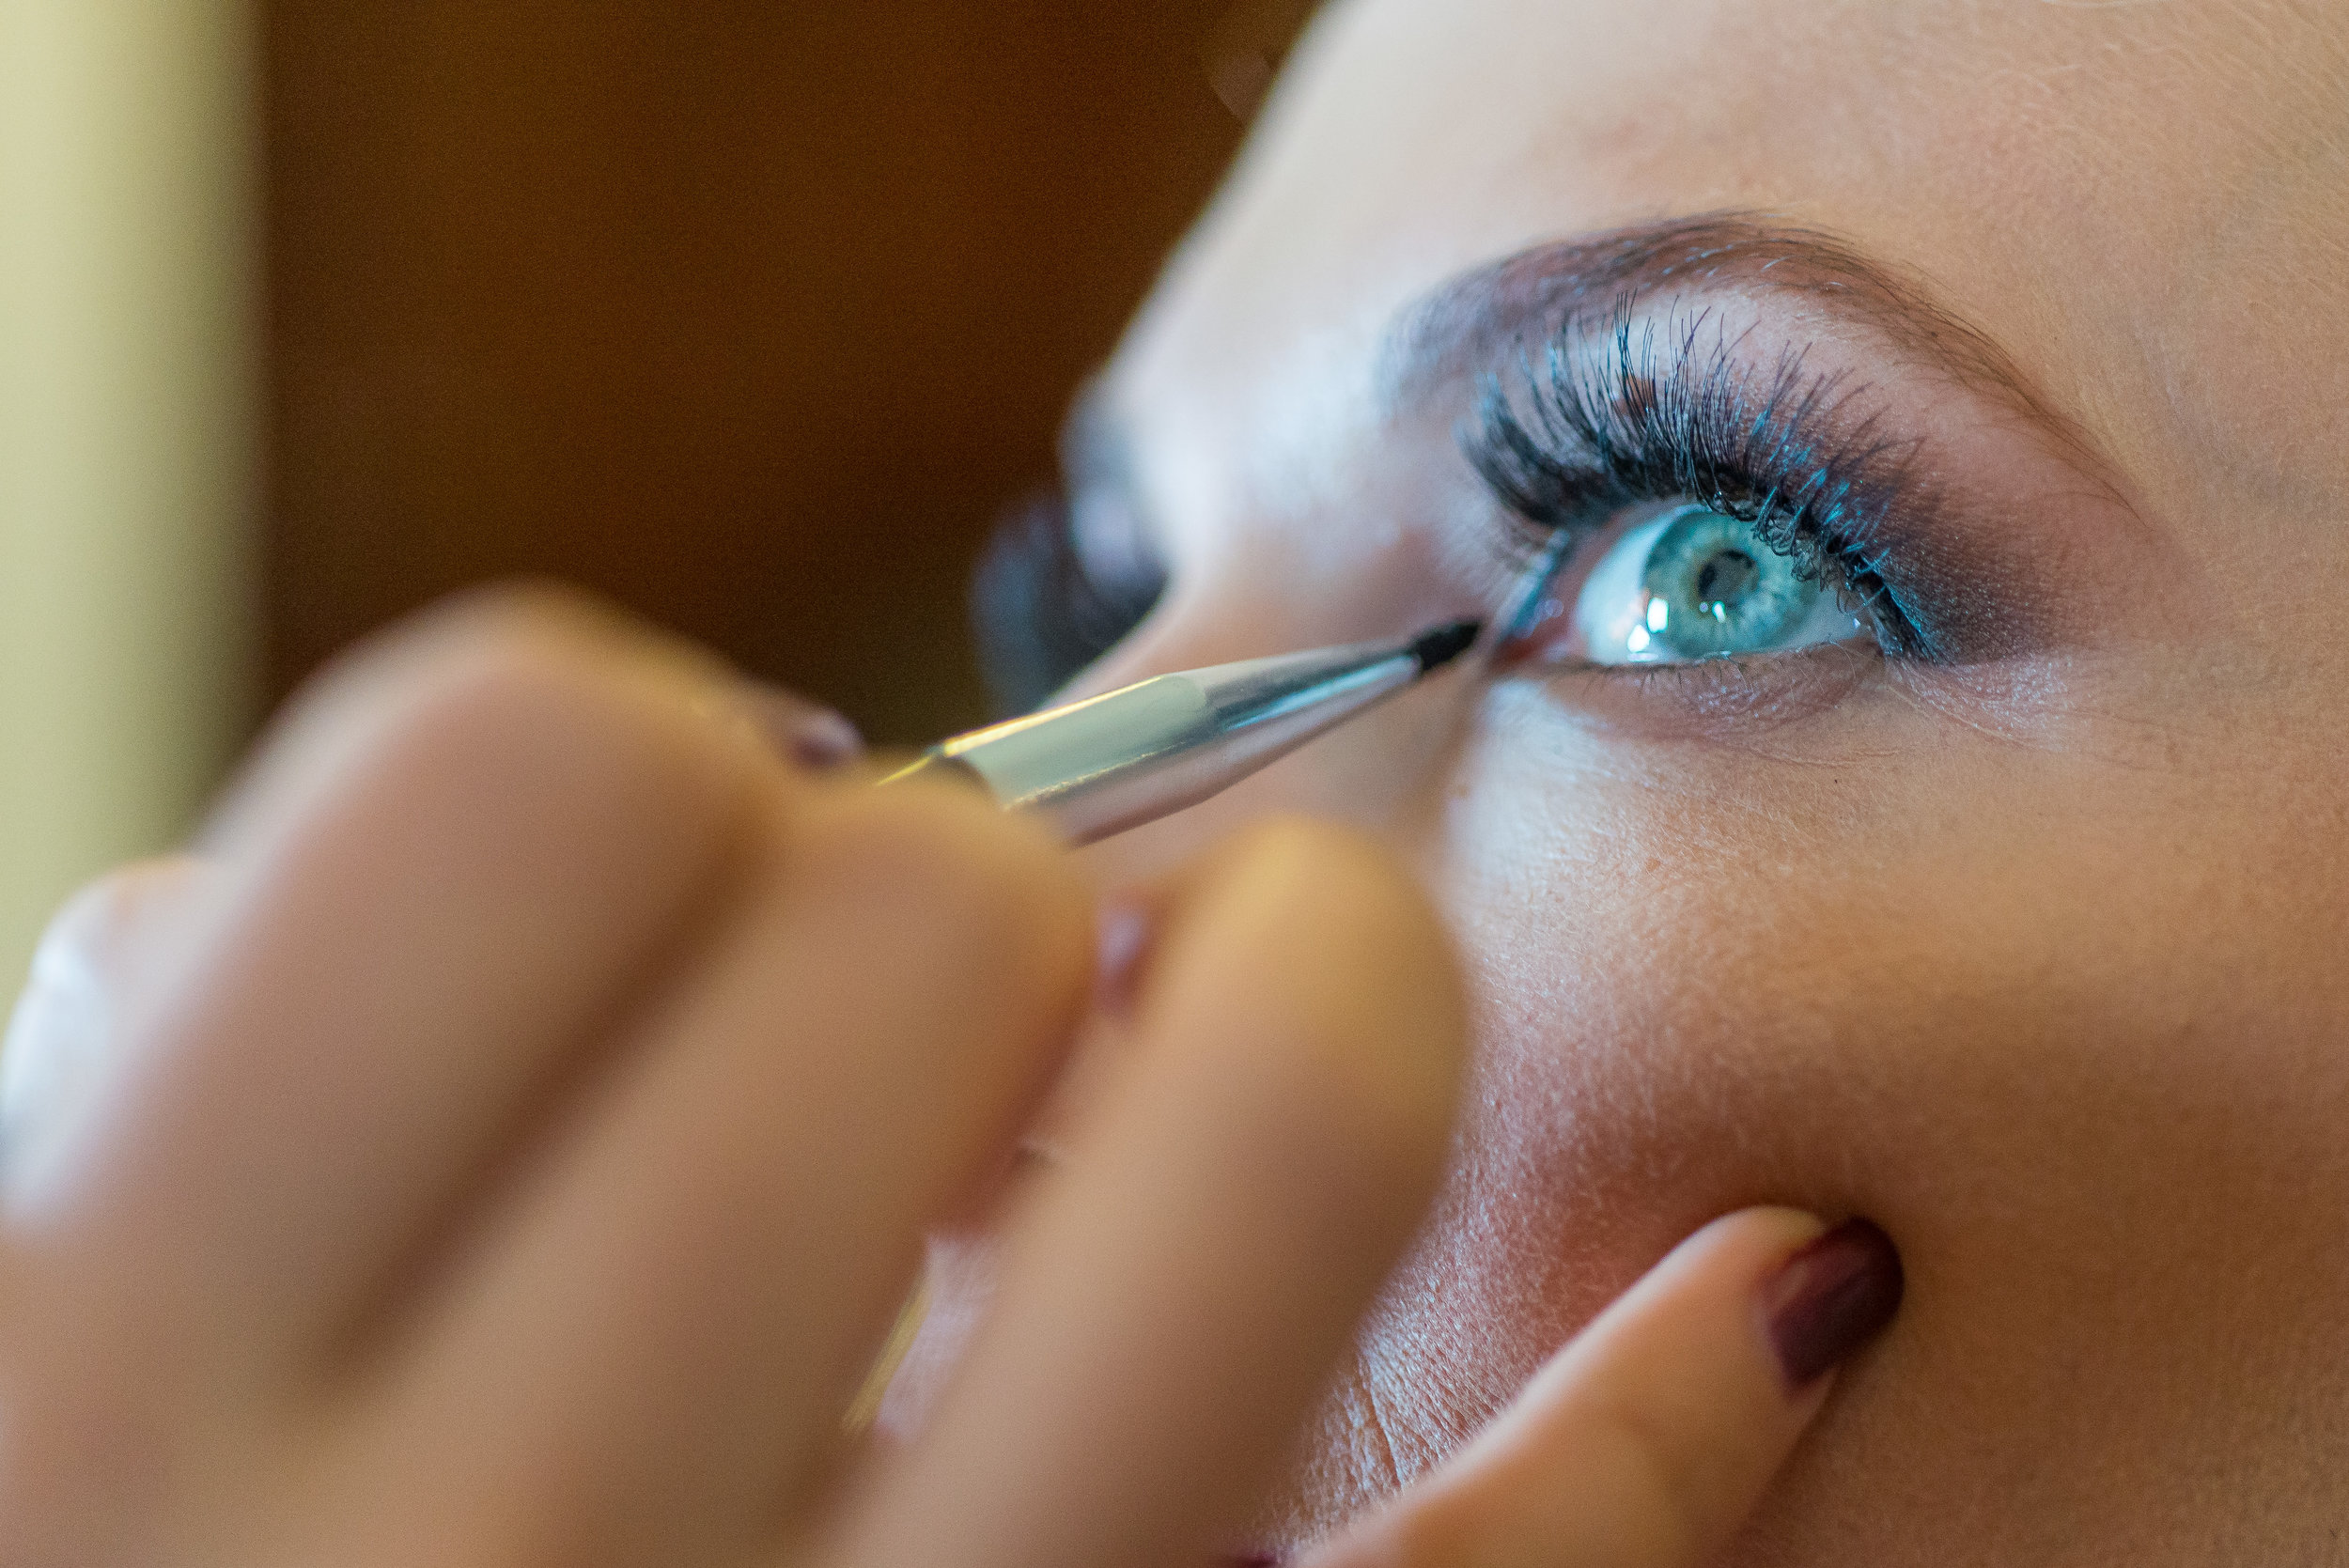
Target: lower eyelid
x=1706, y=699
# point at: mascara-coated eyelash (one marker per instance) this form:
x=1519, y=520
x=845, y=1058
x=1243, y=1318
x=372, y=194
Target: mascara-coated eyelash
x=1640, y=410
x=1044, y=605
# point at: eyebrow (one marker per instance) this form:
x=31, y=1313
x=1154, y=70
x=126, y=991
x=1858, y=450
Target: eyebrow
x=1468, y=324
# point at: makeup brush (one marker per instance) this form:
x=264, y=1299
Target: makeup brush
x=1129, y=756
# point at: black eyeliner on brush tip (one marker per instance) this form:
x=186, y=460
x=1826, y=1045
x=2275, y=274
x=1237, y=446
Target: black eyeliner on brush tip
x=1437, y=648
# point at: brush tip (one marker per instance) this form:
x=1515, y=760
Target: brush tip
x=1437, y=648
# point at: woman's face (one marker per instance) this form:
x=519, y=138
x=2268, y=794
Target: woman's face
x=2000, y=897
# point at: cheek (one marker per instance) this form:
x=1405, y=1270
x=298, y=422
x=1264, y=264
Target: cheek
x=1657, y=1045
x=1935, y=1000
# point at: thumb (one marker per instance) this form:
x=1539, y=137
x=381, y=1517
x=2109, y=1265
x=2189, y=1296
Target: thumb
x=1647, y=1440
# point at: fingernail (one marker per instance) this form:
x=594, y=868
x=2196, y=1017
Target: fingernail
x=822, y=739
x=1831, y=1298
x=805, y=733
x=1122, y=938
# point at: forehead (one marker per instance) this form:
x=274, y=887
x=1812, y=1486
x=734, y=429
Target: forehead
x=2142, y=203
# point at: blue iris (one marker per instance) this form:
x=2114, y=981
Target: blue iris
x=1716, y=588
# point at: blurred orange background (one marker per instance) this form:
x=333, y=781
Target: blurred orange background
x=748, y=315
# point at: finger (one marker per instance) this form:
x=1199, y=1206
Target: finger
x=667, y=1329
x=1648, y=1440
x=458, y=861
x=88, y=962
x=1183, y=1286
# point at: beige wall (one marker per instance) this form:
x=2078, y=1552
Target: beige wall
x=126, y=426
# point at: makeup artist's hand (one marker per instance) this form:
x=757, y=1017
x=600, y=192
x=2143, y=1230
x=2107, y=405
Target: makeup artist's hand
x=509, y=1142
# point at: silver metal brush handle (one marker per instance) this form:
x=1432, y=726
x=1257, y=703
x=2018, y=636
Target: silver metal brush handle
x=1098, y=767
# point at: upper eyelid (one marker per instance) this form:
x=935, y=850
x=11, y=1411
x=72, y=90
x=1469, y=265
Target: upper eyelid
x=1651, y=350
x=1442, y=339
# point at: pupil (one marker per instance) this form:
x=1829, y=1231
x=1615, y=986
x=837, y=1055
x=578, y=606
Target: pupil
x=1724, y=578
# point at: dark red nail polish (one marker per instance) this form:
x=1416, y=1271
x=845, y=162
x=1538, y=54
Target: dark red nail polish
x=803, y=733
x=822, y=740
x=1831, y=1298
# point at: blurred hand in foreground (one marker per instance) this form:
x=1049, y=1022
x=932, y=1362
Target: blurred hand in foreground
x=509, y=1142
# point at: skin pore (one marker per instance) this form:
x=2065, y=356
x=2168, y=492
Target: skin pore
x=2027, y=948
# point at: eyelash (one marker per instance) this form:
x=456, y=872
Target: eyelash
x=1041, y=612
x=1645, y=414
